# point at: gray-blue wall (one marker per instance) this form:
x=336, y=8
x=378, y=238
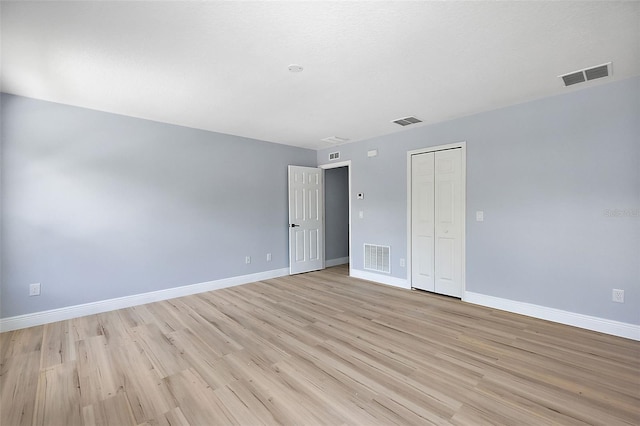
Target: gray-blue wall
x=97, y=206
x=549, y=176
x=336, y=206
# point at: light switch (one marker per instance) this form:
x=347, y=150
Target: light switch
x=479, y=216
x=361, y=214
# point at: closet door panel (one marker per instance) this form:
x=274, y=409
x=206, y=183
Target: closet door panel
x=422, y=221
x=448, y=222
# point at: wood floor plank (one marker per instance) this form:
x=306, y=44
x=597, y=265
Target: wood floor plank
x=324, y=387
x=58, y=345
x=570, y=404
x=317, y=348
x=160, y=350
x=242, y=409
x=96, y=371
x=208, y=363
x=21, y=342
x=18, y=385
x=86, y=327
x=57, y=395
x=112, y=411
x=419, y=398
x=114, y=329
x=146, y=393
x=286, y=393
x=173, y=417
x=198, y=402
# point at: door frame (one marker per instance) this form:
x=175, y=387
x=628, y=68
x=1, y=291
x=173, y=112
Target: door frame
x=462, y=145
x=339, y=164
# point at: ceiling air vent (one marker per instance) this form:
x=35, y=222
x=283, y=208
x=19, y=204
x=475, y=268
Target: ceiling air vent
x=587, y=74
x=574, y=78
x=335, y=139
x=406, y=121
x=334, y=155
x=597, y=72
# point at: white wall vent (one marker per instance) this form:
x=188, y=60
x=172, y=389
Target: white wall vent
x=405, y=121
x=587, y=74
x=376, y=258
x=335, y=139
x=334, y=155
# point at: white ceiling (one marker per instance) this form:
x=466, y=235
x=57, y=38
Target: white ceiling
x=222, y=66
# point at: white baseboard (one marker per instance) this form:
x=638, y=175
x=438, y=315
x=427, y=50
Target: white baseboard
x=335, y=262
x=616, y=328
x=61, y=314
x=378, y=278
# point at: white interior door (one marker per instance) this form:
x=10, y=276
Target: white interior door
x=437, y=215
x=422, y=221
x=306, y=222
x=448, y=222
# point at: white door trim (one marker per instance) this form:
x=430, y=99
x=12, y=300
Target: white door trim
x=347, y=164
x=463, y=146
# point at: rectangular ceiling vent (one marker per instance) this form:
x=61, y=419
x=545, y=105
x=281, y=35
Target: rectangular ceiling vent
x=376, y=258
x=335, y=139
x=407, y=121
x=334, y=155
x=597, y=72
x=587, y=74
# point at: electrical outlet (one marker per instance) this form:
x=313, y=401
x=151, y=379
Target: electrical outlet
x=617, y=295
x=34, y=289
x=247, y=260
x=402, y=264
x=268, y=257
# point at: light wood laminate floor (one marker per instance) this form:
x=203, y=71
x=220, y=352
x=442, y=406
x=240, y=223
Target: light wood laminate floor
x=317, y=348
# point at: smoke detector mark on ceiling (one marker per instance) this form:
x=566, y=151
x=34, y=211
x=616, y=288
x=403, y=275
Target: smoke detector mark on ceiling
x=587, y=74
x=406, y=121
x=335, y=139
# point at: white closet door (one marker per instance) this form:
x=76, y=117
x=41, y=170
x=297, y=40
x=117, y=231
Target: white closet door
x=448, y=222
x=422, y=221
x=437, y=216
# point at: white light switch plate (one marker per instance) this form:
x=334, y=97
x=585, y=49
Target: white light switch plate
x=479, y=216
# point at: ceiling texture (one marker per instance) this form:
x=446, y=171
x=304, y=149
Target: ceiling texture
x=223, y=66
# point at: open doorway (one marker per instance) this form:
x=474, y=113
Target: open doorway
x=337, y=205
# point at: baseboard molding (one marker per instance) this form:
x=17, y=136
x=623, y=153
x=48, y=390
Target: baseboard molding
x=381, y=279
x=616, y=328
x=69, y=312
x=335, y=262
x=602, y=325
